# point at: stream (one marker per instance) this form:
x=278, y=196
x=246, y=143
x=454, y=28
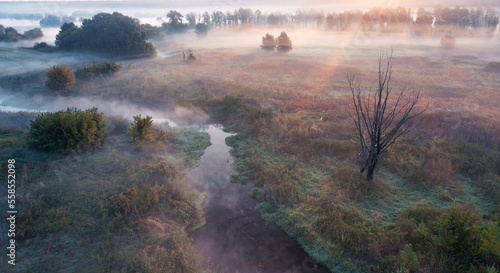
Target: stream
x=235, y=238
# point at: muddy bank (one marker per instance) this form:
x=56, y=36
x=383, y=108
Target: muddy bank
x=235, y=237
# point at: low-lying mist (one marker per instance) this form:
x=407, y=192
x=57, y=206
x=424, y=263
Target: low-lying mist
x=312, y=42
x=9, y=102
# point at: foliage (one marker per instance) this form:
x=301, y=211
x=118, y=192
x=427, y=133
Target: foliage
x=68, y=37
x=201, y=29
x=448, y=42
x=125, y=215
x=97, y=70
x=69, y=131
x=141, y=130
x=60, y=78
x=10, y=34
x=284, y=42
x=268, y=42
x=51, y=20
x=174, y=24
x=115, y=34
x=409, y=259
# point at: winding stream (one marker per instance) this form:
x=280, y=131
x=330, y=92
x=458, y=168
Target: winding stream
x=235, y=238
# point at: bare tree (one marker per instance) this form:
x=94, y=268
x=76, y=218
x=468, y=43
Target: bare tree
x=379, y=118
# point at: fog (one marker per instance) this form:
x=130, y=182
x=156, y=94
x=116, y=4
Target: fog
x=10, y=102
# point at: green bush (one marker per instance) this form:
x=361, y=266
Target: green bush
x=72, y=130
x=409, y=259
x=141, y=130
x=97, y=70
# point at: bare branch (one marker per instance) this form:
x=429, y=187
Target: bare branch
x=380, y=121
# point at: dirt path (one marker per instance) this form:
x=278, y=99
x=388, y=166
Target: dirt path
x=235, y=237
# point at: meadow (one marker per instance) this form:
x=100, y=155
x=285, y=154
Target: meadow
x=294, y=141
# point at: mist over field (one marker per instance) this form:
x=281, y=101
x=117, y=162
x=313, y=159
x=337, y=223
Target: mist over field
x=250, y=136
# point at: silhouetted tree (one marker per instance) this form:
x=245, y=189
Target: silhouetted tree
x=381, y=120
x=273, y=20
x=33, y=34
x=191, y=18
x=320, y=18
x=258, y=14
x=51, y=20
x=174, y=17
x=115, y=34
x=68, y=37
x=201, y=29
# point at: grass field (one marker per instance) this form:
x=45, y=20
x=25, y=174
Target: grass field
x=295, y=142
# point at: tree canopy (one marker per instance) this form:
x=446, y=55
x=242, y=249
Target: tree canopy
x=73, y=130
x=60, y=78
x=114, y=34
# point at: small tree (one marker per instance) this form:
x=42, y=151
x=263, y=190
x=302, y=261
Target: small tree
x=448, y=42
x=379, y=119
x=201, y=29
x=268, y=42
x=284, y=42
x=141, y=130
x=60, y=78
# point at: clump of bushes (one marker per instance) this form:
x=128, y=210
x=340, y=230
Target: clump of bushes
x=268, y=42
x=448, y=42
x=97, y=70
x=283, y=42
x=492, y=67
x=73, y=130
x=60, y=78
x=141, y=130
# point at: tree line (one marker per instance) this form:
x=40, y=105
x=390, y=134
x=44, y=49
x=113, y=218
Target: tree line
x=10, y=34
x=375, y=19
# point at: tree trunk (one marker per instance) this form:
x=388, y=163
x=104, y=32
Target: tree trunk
x=371, y=167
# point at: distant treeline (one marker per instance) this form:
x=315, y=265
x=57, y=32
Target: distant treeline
x=114, y=34
x=437, y=21
x=10, y=34
x=375, y=19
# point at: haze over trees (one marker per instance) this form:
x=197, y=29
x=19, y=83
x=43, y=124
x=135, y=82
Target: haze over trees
x=114, y=34
x=10, y=34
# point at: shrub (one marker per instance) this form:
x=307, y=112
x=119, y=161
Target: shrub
x=448, y=42
x=72, y=130
x=100, y=69
x=268, y=42
x=492, y=67
x=60, y=78
x=141, y=130
x=284, y=42
x=191, y=56
x=408, y=259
